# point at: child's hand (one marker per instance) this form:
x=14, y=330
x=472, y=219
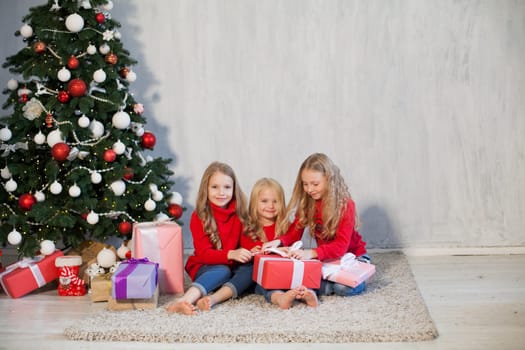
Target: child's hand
x=256, y=250
x=303, y=254
x=272, y=244
x=241, y=255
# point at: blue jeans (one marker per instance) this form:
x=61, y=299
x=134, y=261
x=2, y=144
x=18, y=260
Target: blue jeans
x=241, y=280
x=329, y=288
x=211, y=277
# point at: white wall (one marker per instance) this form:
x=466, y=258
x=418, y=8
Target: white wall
x=420, y=103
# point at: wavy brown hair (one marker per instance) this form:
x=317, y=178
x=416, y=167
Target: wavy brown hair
x=203, y=208
x=255, y=229
x=334, y=201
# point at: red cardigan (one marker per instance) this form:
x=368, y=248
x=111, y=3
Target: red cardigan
x=248, y=243
x=230, y=229
x=347, y=238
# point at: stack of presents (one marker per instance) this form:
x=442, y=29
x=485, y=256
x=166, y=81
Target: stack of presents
x=152, y=264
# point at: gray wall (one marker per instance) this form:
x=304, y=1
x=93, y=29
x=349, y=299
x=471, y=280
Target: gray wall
x=420, y=103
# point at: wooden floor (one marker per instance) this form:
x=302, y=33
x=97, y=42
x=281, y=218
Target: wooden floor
x=477, y=302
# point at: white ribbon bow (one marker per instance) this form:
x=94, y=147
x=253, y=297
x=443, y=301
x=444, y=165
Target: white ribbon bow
x=12, y=148
x=347, y=261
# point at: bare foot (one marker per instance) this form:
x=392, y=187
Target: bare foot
x=285, y=300
x=182, y=307
x=205, y=303
x=310, y=298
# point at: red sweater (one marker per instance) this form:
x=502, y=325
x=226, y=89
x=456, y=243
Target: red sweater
x=346, y=239
x=248, y=243
x=230, y=229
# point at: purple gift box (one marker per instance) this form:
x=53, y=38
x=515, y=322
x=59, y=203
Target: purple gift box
x=135, y=279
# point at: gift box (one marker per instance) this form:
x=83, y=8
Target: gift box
x=134, y=304
x=274, y=272
x=134, y=279
x=161, y=242
x=101, y=287
x=25, y=276
x=70, y=284
x=348, y=270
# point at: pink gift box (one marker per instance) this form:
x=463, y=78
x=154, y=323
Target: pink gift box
x=25, y=276
x=161, y=242
x=275, y=272
x=348, y=271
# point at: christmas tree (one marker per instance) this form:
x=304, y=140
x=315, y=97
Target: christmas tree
x=73, y=149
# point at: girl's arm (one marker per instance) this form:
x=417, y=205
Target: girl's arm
x=204, y=251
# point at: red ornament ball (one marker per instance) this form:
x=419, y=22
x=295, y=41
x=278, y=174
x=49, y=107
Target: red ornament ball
x=39, y=47
x=111, y=58
x=84, y=216
x=63, y=97
x=123, y=72
x=124, y=227
x=100, y=18
x=128, y=254
x=148, y=140
x=110, y=155
x=128, y=175
x=175, y=210
x=72, y=62
x=77, y=87
x=60, y=151
x=26, y=201
x=24, y=98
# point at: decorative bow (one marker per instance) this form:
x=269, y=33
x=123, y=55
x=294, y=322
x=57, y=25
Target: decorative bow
x=346, y=262
x=7, y=148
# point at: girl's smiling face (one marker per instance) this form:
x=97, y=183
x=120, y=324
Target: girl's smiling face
x=268, y=206
x=220, y=189
x=314, y=183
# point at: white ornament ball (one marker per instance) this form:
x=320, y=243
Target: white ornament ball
x=11, y=185
x=96, y=178
x=117, y=35
x=55, y=187
x=106, y=258
x=122, y=251
x=74, y=191
x=40, y=196
x=131, y=76
x=139, y=132
x=119, y=147
x=24, y=91
x=108, y=6
x=92, y=218
x=12, y=84
x=26, y=31
x=14, y=237
x=157, y=196
x=97, y=129
x=118, y=187
x=83, y=121
x=39, y=138
x=54, y=137
x=176, y=198
x=104, y=49
x=47, y=247
x=162, y=217
x=91, y=49
x=5, y=173
x=64, y=74
x=153, y=188
x=99, y=76
x=74, y=23
x=121, y=120
x=150, y=205
x=5, y=134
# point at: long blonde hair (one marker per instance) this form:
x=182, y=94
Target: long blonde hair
x=255, y=229
x=334, y=201
x=203, y=208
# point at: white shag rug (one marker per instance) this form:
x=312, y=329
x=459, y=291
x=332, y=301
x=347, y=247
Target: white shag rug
x=391, y=310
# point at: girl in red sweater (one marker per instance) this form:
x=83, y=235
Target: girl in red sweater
x=216, y=226
x=322, y=203
x=268, y=221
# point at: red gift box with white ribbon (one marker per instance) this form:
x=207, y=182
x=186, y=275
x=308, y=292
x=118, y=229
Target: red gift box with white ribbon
x=275, y=272
x=29, y=274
